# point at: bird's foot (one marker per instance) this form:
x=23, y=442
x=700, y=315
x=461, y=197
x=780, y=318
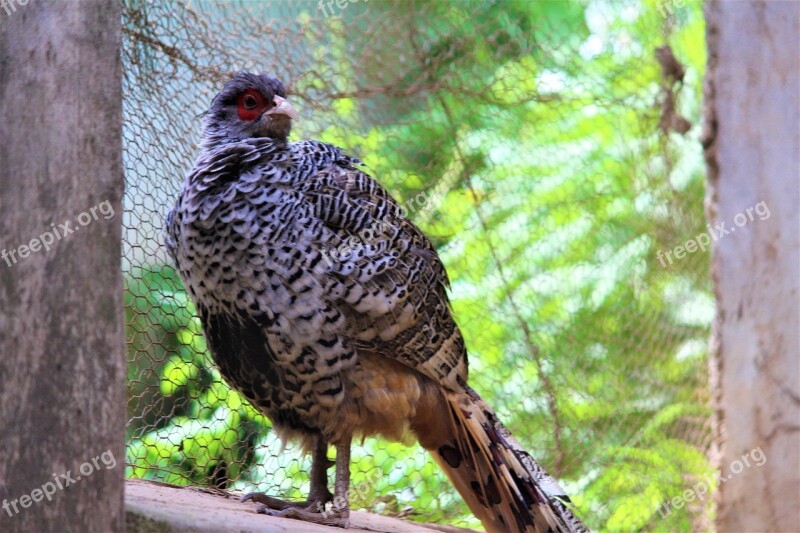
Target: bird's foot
x=314, y=513
x=312, y=510
x=309, y=511
x=270, y=502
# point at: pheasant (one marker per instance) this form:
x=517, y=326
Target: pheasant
x=332, y=350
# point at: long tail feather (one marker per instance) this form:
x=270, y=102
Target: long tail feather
x=502, y=484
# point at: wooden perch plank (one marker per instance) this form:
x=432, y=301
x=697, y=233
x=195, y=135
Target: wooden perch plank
x=162, y=508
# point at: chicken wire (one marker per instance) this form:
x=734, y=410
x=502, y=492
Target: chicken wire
x=478, y=116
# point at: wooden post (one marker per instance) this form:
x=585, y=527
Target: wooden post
x=62, y=362
x=752, y=149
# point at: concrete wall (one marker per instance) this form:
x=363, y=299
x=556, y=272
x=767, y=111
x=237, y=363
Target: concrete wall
x=753, y=152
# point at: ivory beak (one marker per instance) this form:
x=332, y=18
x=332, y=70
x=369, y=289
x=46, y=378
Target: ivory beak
x=283, y=107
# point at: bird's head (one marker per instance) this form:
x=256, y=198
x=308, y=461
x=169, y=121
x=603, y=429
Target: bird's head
x=249, y=105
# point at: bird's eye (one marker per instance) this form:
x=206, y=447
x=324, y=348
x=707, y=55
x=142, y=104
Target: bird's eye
x=249, y=101
x=250, y=104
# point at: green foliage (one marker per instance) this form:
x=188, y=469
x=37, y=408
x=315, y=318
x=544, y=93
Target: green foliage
x=203, y=430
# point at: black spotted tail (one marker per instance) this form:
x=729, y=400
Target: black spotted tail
x=502, y=484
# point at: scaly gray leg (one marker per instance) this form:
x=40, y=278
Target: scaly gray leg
x=319, y=494
x=339, y=515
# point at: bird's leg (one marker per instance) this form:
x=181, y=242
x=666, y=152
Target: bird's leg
x=320, y=464
x=341, y=486
x=319, y=494
x=339, y=515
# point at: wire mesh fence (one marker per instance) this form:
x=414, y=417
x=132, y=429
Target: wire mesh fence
x=549, y=149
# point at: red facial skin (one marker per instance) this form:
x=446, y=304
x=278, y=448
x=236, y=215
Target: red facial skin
x=251, y=104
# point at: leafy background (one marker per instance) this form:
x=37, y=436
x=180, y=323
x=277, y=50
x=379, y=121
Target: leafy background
x=533, y=142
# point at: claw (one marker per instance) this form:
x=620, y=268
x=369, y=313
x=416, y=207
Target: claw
x=270, y=502
x=332, y=518
x=313, y=509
